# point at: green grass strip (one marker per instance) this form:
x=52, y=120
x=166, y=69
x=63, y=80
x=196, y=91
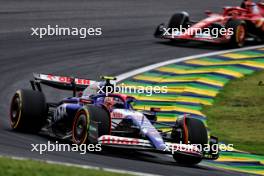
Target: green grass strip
x=11, y=167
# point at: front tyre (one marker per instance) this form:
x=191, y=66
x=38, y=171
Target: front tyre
x=186, y=159
x=179, y=21
x=159, y=31
x=28, y=111
x=193, y=131
x=82, y=122
x=239, y=28
x=80, y=127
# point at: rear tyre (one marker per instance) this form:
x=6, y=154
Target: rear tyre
x=194, y=132
x=239, y=33
x=82, y=120
x=28, y=111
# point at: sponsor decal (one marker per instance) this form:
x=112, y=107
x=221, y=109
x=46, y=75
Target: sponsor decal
x=118, y=140
x=117, y=115
x=64, y=79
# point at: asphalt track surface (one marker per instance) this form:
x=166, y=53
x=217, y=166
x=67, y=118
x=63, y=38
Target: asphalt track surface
x=127, y=43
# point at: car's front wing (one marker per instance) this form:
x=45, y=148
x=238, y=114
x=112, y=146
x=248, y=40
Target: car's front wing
x=143, y=144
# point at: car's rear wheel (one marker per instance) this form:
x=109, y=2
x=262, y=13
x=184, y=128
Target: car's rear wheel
x=83, y=119
x=28, y=111
x=193, y=131
x=239, y=29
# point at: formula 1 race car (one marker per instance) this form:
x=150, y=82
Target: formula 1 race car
x=107, y=119
x=233, y=27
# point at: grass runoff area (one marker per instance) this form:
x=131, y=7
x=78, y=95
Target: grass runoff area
x=12, y=167
x=237, y=116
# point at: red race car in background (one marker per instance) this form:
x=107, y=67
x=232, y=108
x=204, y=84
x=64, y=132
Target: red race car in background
x=234, y=26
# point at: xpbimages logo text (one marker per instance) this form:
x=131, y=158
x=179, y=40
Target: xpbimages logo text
x=56, y=30
x=214, y=149
x=214, y=32
x=59, y=147
x=124, y=89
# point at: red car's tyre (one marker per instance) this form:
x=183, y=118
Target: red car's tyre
x=194, y=132
x=239, y=28
x=82, y=120
x=159, y=30
x=179, y=19
x=28, y=111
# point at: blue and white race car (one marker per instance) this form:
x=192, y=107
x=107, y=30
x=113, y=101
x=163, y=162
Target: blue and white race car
x=108, y=119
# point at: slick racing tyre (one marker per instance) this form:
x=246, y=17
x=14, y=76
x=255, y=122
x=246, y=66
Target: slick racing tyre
x=159, y=30
x=179, y=19
x=82, y=122
x=28, y=111
x=193, y=132
x=239, y=33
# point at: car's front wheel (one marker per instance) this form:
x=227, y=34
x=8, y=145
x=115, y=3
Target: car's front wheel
x=192, y=131
x=82, y=123
x=239, y=29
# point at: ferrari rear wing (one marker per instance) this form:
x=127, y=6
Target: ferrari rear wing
x=60, y=82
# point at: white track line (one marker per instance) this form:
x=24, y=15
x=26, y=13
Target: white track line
x=176, y=60
x=82, y=166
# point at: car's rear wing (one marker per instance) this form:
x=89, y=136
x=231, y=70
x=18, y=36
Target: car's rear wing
x=60, y=82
